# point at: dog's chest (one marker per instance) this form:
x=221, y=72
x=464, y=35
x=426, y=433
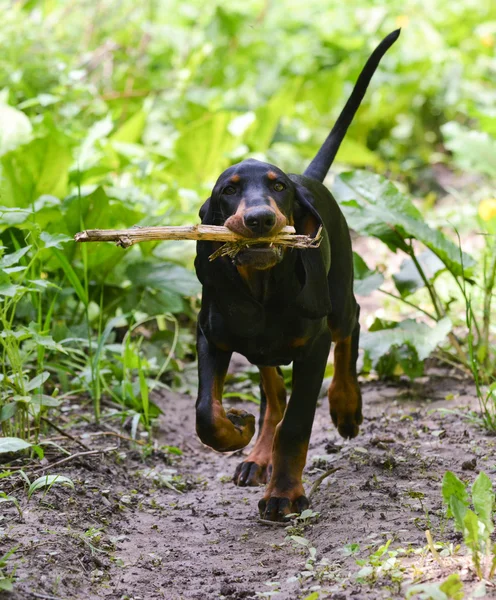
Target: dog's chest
x=273, y=337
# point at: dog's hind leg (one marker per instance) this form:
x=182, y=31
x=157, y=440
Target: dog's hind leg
x=220, y=430
x=257, y=466
x=345, y=398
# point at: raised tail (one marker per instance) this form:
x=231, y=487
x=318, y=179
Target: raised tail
x=324, y=158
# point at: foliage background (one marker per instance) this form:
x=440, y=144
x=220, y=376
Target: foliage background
x=121, y=113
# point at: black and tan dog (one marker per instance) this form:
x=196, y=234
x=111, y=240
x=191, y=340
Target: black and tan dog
x=276, y=307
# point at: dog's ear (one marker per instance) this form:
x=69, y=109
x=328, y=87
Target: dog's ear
x=204, y=210
x=313, y=300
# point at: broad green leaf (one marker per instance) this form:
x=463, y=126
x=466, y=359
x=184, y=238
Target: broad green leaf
x=374, y=206
x=163, y=277
x=130, y=132
x=453, y=587
x=40, y=167
x=37, y=381
x=48, y=481
x=355, y=154
x=8, y=260
x=421, y=337
x=55, y=240
x=408, y=279
x=452, y=486
x=366, y=281
x=471, y=525
x=458, y=509
x=201, y=149
x=483, y=500
x=427, y=591
x=13, y=444
x=473, y=150
x=261, y=133
x=8, y=411
x=15, y=128
x=9, y=290
x=44, y=400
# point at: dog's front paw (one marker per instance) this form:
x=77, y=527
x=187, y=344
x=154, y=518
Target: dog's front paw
x=226, y=432
x=274, y=507
x=250, y=473
x=242, y=420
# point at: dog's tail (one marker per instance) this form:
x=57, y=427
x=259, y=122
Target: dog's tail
x=324, y=158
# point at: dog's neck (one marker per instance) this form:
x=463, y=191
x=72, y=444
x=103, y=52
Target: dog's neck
x=257, y=281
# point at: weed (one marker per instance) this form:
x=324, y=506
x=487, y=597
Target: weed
x=477, y=525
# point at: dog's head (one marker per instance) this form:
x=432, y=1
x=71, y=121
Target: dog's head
x=255, y=200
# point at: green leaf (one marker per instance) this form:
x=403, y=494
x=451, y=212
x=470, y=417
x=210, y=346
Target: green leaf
x=427, y=591
x=8, y=411
x=55, y=240
x=44, y=400
x=458, y=509
x=408, y=279
x=13, y=444
x=374, y=206
x=15, y=128
x=471, y=525
x=201, y=149
x=37, y=381
x=130, y=132
x=40, y=167
x=165, y=284
x=453, y=487
x=453, y=587
x=419, y=336
x=11, y=259
x=473, y=150
x=483, y=500
x=366, y=281
x=48, y=481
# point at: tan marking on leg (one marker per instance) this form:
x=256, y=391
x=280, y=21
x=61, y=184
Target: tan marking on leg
x=345, y=400
x=227, y=431
x=261, y=454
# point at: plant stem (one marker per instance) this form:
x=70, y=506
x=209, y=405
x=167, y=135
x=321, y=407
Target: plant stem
x=428, y=314
x=488, y=296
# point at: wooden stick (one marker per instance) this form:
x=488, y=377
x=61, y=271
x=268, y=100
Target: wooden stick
x=128, y=237
x=77, y=455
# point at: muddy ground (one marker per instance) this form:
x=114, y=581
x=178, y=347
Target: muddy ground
x=120, y=534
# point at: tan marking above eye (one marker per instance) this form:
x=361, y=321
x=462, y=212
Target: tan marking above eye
x=271, y=175
x=235, y=178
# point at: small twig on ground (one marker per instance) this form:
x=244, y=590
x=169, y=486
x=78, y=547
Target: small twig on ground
x=64, y=433
x=432, y=548
x=118, y=435
x=43, y=596
x=320, y=479
x=274, y=523
x=77, y=455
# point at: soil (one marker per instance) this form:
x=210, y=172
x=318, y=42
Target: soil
x=123, y=534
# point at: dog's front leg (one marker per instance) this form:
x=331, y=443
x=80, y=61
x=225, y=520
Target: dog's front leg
x=220, y=430
x=284, y=493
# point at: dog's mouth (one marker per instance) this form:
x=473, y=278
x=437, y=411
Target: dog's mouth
x=259, y=256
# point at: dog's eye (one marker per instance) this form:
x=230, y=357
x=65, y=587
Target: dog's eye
x=229, y=190
x=279, y=187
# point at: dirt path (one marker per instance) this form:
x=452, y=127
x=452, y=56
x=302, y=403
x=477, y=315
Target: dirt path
x=120, y=536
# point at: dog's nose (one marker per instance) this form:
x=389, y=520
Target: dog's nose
x=260, y=220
